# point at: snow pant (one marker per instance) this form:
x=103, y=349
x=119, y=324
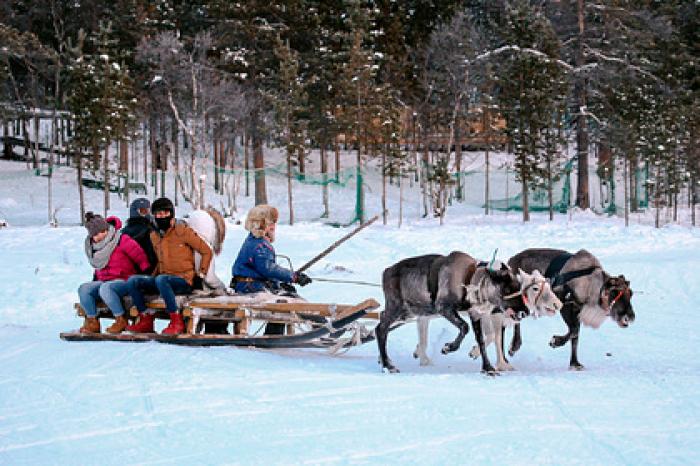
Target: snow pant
x=110, y=293
x=167, y=286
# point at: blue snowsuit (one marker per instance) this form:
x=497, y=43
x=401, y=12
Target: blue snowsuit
x=256, y=260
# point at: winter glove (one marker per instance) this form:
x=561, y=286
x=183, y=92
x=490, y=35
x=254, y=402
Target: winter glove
x=302, y=279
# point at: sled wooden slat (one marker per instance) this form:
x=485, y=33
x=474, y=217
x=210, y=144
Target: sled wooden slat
x=310, y=308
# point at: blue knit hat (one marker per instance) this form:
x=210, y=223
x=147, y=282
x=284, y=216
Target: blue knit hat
x=140, y=203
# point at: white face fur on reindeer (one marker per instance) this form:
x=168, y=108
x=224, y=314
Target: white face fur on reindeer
x=537, y=294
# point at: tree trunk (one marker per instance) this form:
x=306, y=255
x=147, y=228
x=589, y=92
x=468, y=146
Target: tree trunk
x=458, y=158
x=259, y=167
x=124, y=166
x=324, y=177
x=360, y=195
x=154, y=153
x=289, y=186
x=526, y=202
x=35, y=152
x=176, y=153
x=301, y=159
x=486, y=182
x=400, y=194
x=81, y=194
x=105, y=162
x=216, y=166
x=246, y=163
x=582, y=192
x=384, y=152
x=145, y=154
x=625, y=178
x=336, y=148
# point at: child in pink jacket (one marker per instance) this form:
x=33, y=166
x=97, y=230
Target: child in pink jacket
x=115, y=257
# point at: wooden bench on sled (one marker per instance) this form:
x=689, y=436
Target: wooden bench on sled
x=241, y=311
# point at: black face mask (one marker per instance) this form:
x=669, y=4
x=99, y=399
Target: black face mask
x=164, y=222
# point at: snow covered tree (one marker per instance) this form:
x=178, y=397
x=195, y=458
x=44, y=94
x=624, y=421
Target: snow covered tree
x=531, y=85
x=102, y=101
x=290, y=106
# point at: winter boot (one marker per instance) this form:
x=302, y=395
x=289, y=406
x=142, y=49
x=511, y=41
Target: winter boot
x=144, y=325
x=91, y=325
x=176, y=325
x=118, y=326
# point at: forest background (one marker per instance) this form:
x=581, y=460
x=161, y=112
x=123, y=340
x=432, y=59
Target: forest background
x=137, y=94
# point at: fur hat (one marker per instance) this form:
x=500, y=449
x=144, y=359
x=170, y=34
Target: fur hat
x=259, y=217
x=95, y=224
x=163, y=204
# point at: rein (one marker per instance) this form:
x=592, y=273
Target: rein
x=522, y=292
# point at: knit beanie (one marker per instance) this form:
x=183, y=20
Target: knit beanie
x=163, y=204
x=259, y=217
x=140, y=203
x=95, y=224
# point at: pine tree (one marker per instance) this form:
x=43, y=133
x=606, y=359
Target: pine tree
x=530, y=82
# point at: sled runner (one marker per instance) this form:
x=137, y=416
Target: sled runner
x=306, y=325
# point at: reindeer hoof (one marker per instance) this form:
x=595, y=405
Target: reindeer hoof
x=475, y=353
x=505, y=367
x=576, y=367
x=557, y=341
x=490, y=372
x=390, y=370
x=448, y=348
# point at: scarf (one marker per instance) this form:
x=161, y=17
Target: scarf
x=99, y=253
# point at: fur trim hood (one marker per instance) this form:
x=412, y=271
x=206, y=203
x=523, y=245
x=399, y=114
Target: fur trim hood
x=259, y=217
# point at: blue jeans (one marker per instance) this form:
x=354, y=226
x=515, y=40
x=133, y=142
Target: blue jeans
x=165, y=285
x=110, y=292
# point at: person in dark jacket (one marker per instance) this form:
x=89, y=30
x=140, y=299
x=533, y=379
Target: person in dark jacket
x=139, y=227
x=255, y=269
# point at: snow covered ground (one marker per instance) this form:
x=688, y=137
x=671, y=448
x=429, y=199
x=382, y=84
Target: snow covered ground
x=637, y=402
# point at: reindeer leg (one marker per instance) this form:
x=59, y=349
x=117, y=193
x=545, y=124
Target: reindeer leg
x=502, y=364
x=423, y=325
x=456, y=320
x=486, y=366
x=516, y=342
x=381, y=331
x=567, y=313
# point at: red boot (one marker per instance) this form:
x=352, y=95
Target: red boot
x=176, y=325
x=144, y=325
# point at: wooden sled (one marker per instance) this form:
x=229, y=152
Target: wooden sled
x=306, y=325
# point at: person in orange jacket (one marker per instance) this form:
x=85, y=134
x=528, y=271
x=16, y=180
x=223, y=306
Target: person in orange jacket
x=174, y=243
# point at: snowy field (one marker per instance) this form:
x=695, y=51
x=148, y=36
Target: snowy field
x=637, y=402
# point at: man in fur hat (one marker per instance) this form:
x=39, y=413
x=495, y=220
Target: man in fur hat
x=255, y=268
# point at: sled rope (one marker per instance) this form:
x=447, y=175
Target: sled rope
x=352, y=282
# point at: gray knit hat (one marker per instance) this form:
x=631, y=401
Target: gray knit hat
x=95, y=224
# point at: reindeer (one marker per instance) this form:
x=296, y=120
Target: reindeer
x=588, y=292
x=537, y=297
x=431, y=285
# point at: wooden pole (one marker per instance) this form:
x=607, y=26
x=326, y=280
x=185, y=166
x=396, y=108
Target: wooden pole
x=329, y=249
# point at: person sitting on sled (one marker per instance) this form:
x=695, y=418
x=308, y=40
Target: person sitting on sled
x=115, y=257
x=139, y=226
x=255, y=269
x=174, y=244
